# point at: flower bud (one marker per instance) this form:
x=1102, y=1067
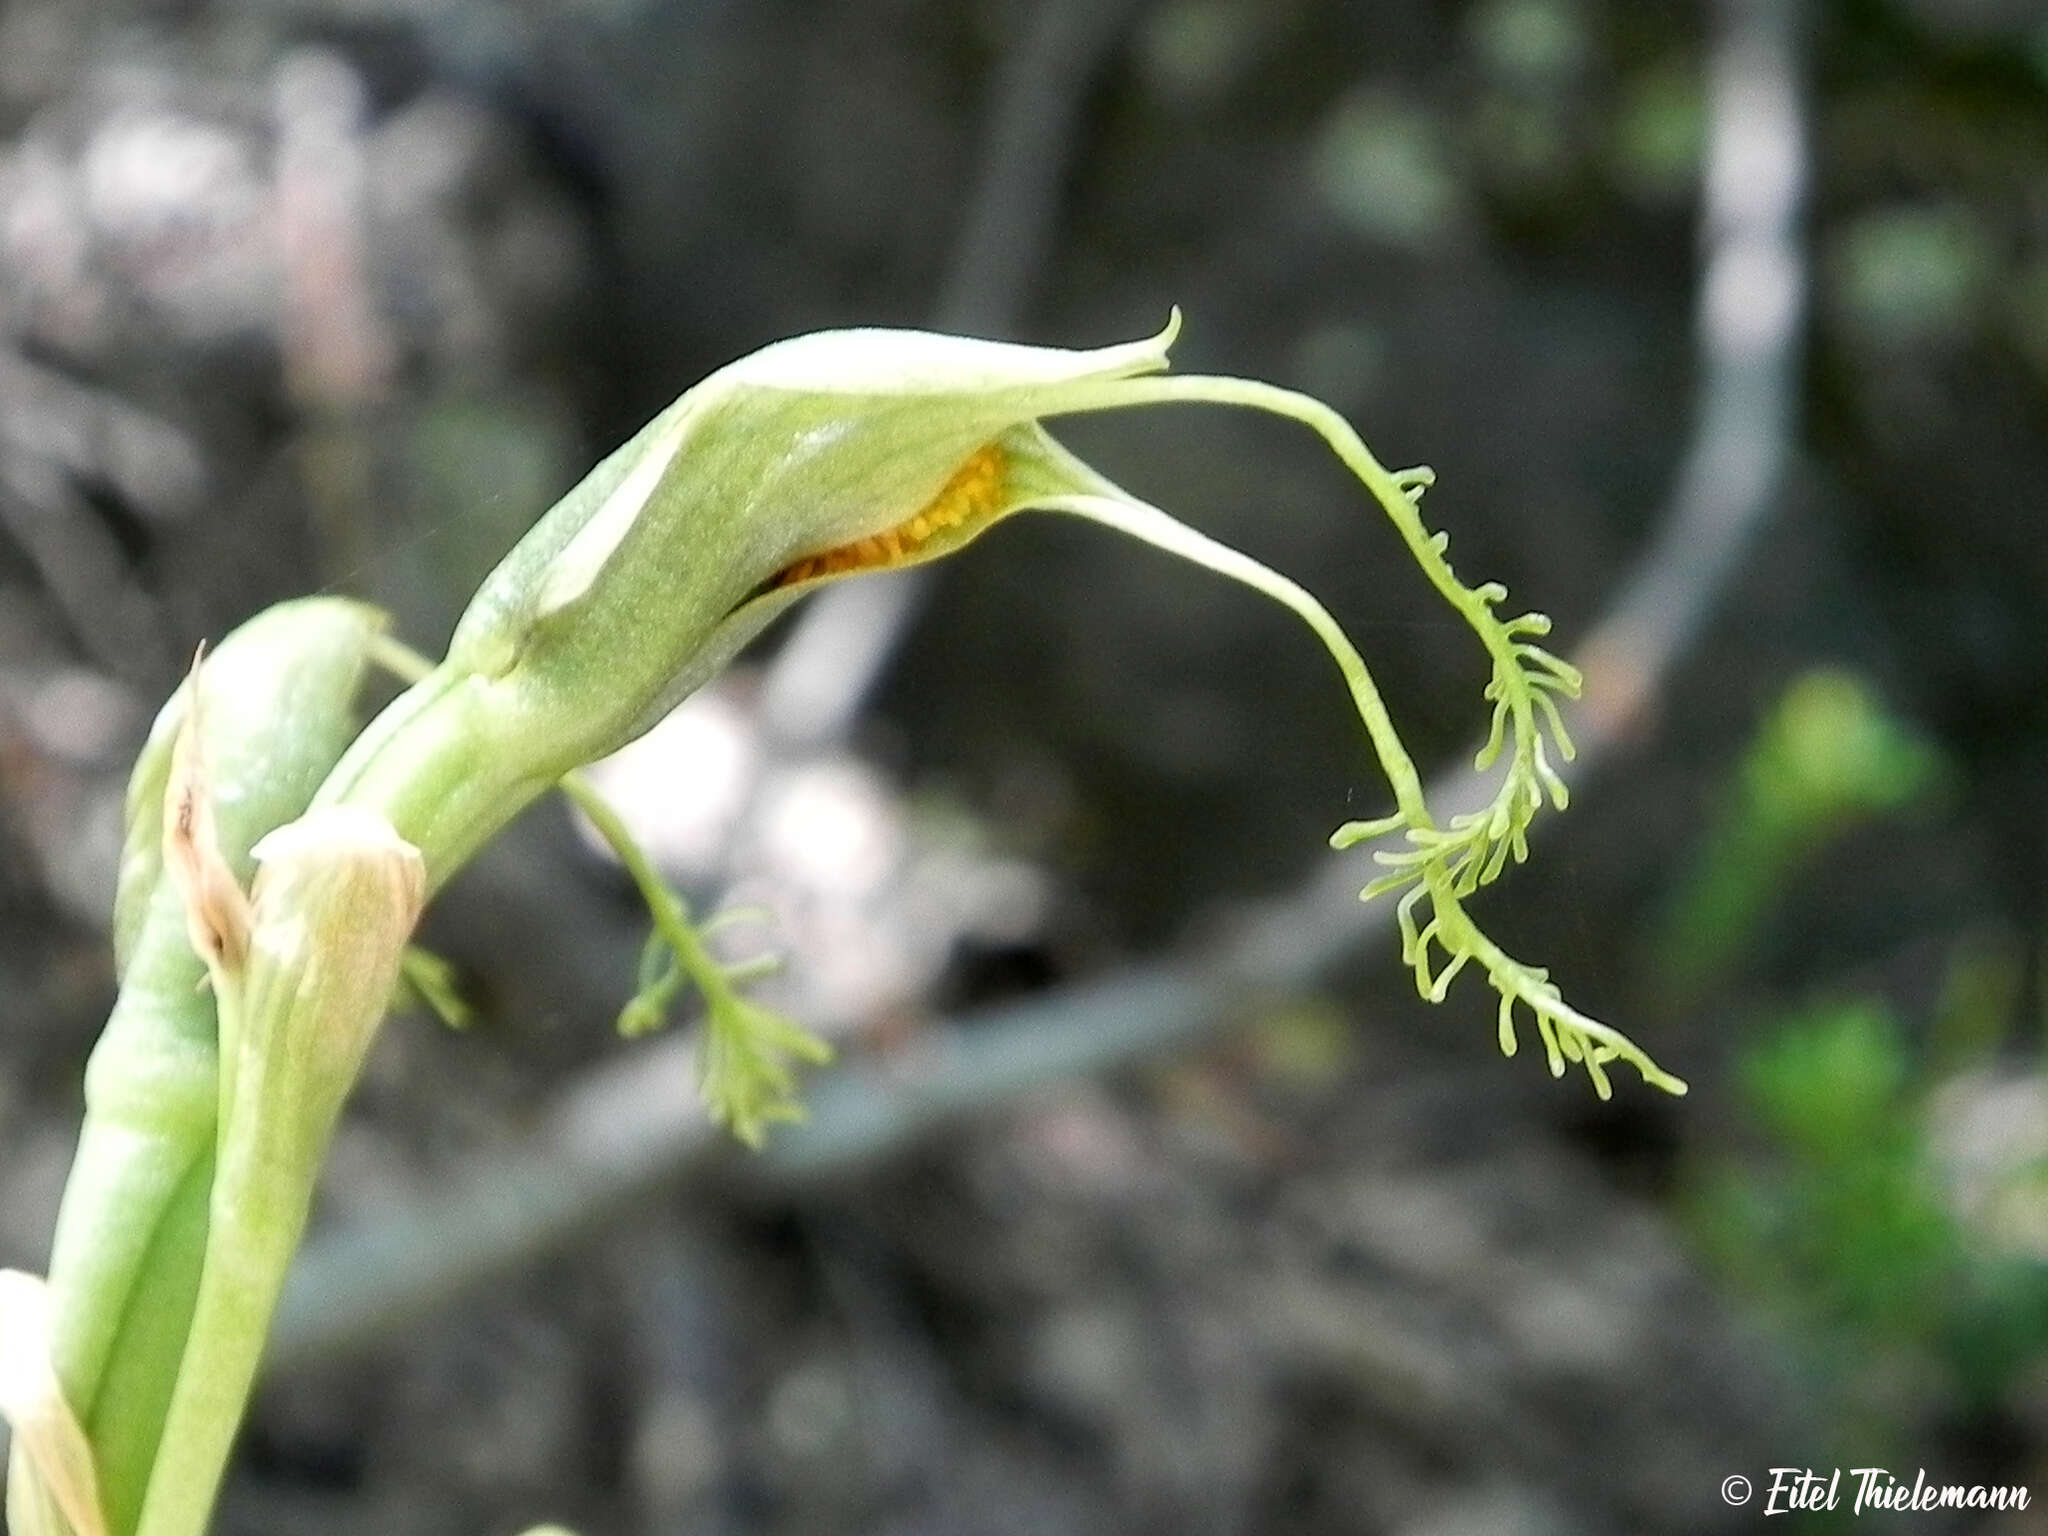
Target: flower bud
x=627, y=595
x=336, y=896
x=846, y=452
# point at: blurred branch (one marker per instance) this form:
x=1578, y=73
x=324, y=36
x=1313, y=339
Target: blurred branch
x=81, y=567
x=1039, y=94
x=841, y=644
x=632, y=1126
x=1752, y=301
x=58, y=436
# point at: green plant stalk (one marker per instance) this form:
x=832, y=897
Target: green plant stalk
x=131, y=1230
x=126, y=1424
x=124, y=1265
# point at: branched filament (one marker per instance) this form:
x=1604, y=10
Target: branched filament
x=1440, y=866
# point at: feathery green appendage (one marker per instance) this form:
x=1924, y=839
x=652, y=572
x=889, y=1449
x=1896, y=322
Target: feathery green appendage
x=747, y=1056
x=746, y=1077
x=747, y=1064
x=1526, y=723
x=1440, y=866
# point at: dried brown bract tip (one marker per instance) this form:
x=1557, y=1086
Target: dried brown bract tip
x=216, y=908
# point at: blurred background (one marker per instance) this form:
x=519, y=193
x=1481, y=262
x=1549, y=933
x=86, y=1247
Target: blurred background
x=1148, y=1196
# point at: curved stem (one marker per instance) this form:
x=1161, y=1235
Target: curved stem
x=1144, y=521
x=1395, y=493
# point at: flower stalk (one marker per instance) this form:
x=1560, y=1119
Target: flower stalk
x=334, y=903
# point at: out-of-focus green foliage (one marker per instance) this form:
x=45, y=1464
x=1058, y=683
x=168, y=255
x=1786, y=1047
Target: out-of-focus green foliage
x=1841, y=1230
x=1903, y=276
x=1383, y=170
x=1828, y=757
x=1844, y=1225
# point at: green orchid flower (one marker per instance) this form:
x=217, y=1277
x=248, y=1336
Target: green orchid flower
x=817, y=460
x=832, y=455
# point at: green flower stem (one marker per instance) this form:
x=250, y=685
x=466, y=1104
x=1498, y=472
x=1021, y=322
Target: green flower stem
x=151, y=1091
x=449, y=763
x=333, y=907
x=1057, y=471
x=141, y=1371
x=423, y=765
x=258, y=1218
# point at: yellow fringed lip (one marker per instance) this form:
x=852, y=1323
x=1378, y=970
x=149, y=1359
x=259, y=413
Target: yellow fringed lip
x=967, y=502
